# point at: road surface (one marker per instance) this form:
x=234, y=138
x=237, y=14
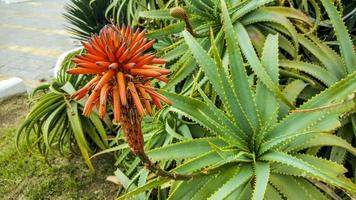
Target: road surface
x=32, y=36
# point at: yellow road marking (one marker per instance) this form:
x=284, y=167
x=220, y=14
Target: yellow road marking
x=41, y=30
x=34, y=15
x=32, y=50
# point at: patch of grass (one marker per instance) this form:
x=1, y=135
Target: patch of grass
x=26, y=175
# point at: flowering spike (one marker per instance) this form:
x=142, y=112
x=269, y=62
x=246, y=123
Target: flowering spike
x=123, y=69
x=123, y=74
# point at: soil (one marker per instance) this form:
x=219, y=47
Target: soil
x=12, y=110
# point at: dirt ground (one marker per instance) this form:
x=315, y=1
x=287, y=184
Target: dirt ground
x=12, y=110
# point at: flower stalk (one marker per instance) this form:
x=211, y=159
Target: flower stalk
x=122, y=81
x=179, y=13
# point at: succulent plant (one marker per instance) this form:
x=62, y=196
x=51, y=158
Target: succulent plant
x=85, y=17
x=257, y=152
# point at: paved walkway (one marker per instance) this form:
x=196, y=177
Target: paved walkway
x=32, y=36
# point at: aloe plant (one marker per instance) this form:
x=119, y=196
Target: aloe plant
x=126, y=11
x=260, y=18
x=86, y=17
x=327, y=62
x=255, y=152
x=262, y=94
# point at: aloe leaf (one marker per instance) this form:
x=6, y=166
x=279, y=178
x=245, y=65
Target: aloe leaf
x=272, y=193
x=262, y=173
x=246, y=193
x=211, y=159
x=112, y=149
x=185, y=70
x=266, y=101
x=34, y=119
x=291, y=91
x=99, y=127
x=323, y=164
x=239, y=78
x=211, y=186
x=289, y=13
x=143, y=188
x=324, y=47
x=338, y=154
x=256, y=65
x=173, y=132
x=294, y=121
x=168, y=30
x=90, y=130
x=179, y=49
x=48, y=125
x=58, y=128
x=346, y=45
x=45, y=102
x=229, y=94
x=295, y=172
x=257, y=38
x=185, y=149
x=123, y=179
x=237, y=192
x=288, y=186
x=217, y=78
x=76, y=125
x=310, y=189
x=205, y=116
x=271, y=143
x=187, y=190
x=283, y=41
x=156, y=14
x=272, y=18
x=290, y=160
x=248, y=7
x=235, y=181
x=319, y=140
x=331, y=63
x=314, y=70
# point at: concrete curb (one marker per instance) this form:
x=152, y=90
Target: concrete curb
x=11, y=87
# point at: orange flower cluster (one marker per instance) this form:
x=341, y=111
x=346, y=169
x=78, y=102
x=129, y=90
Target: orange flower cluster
x=123, y=72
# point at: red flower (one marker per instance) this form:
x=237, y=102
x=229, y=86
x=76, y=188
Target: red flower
x=123, y=73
